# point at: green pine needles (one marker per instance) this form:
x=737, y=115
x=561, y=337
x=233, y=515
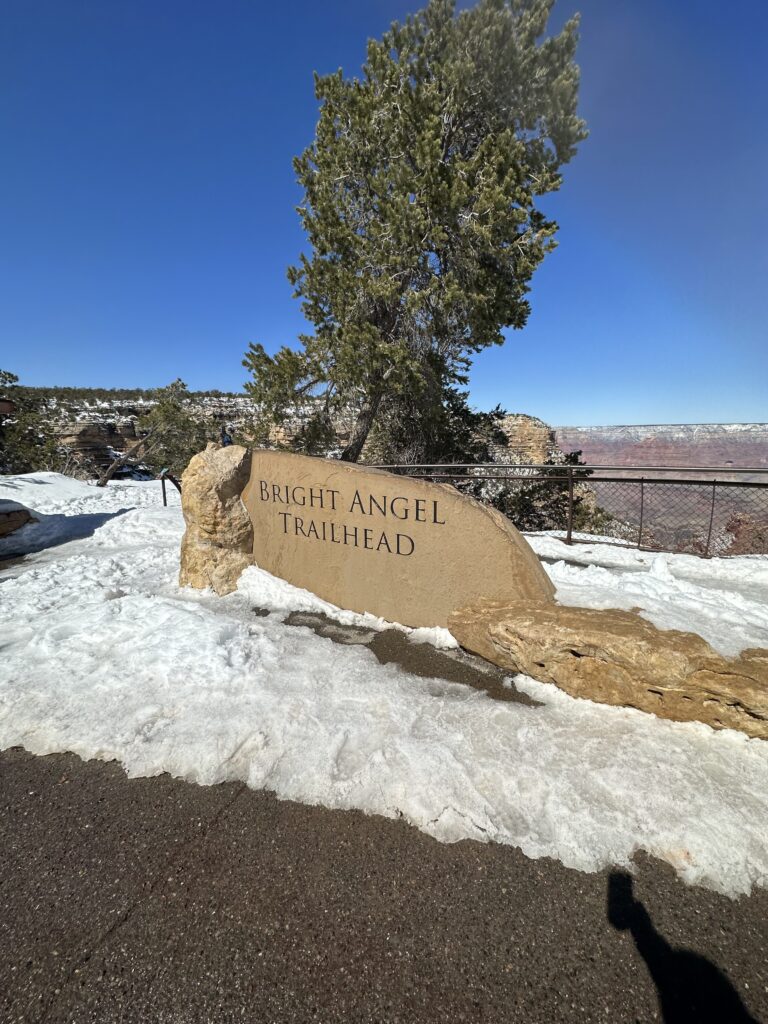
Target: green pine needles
x=420, y=208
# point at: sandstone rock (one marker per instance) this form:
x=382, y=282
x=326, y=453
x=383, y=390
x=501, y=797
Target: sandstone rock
x=85, y=435
x=13, y=516
x=92, y=442
x=616, y=657
x=127, y=429
x=529, y=439
x=218, y=541
x=404, y=549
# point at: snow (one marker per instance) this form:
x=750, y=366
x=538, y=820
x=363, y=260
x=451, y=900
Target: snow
x=36, y=490
x=104, y=655
x=7, y=506
x=65, y=509
x=725, y=600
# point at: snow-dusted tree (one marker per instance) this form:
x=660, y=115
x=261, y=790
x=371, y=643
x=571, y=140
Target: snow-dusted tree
x=27, y=440
x=421, y=193
x=171, y=432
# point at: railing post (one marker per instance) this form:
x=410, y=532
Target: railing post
x=165, y=499
x=642, y=509
x=569, y=533
x=711, y=518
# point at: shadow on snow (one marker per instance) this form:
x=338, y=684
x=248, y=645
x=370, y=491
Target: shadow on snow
x=51, y=531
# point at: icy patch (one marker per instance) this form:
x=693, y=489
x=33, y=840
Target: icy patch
x=440, y=638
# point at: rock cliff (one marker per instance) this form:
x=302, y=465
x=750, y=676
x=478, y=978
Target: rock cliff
x=687, y=444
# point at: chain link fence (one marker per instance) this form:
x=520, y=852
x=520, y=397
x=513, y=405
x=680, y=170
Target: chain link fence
x=696, y=510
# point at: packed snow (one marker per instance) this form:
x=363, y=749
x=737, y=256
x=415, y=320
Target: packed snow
x=725, y=600
x=104, y=655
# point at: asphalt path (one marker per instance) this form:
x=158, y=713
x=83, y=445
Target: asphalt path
x=161, y=902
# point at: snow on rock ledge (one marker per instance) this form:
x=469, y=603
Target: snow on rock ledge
x=218, y=541
x=616, y=657
x=13, y=516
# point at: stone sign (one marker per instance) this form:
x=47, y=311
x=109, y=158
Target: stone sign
x=425, y=555
x=409, y=551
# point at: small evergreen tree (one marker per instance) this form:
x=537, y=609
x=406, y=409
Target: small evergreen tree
x=441, y=428
x=170, y=434
x=27, y=440
x=543, y=505
x=176, y=430
x=420, y=207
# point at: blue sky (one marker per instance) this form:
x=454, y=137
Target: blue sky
x=147, y=201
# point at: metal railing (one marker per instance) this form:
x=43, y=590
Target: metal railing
x=166, y=475
x=695, y=509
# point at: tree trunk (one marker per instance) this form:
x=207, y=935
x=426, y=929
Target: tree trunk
x=113, y=467
x=362, y=429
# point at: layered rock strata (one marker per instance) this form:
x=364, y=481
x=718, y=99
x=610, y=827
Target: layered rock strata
x=617, y=657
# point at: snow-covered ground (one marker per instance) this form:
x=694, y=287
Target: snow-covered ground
x=102, y=654
x=725, y=600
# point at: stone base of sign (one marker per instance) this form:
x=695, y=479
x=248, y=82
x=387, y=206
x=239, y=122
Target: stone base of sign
x=218, y=541
x=617, y=657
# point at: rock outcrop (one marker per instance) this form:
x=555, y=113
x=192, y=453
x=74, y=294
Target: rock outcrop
x=529, y=440
x=13, y=516
x=617, y=657
x=218, y=542
x=94, y=443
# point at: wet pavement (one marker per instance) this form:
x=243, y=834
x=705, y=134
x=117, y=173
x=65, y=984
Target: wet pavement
x=394, y=646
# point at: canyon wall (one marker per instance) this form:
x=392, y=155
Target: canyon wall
x=737, y=445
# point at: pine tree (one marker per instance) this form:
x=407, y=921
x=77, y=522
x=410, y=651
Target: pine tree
x=420, y=208
x=170, y=433
x=27, y=439
x=544, y=505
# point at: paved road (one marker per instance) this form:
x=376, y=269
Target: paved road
x=160, y=902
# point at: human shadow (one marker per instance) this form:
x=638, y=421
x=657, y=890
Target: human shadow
x=691, y=989
x=49, y=531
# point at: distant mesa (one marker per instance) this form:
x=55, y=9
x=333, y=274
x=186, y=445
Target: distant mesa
x=687, y=444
